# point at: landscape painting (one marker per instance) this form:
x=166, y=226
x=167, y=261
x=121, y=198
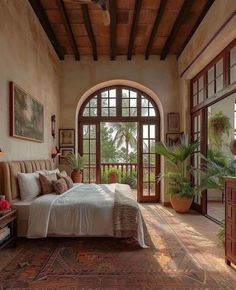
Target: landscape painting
x=26, y=115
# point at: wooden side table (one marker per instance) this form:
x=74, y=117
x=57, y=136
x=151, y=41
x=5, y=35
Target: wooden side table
x=9, y=219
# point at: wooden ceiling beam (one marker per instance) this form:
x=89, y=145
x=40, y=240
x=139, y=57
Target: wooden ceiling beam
x=89, y=29
x=183, y=14
x=134, y=28
x=195, y=27
x=66, y=22
x=113, y=27
x=43, y=19
x=156, y=24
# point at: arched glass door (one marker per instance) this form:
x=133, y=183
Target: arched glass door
x=118, y=128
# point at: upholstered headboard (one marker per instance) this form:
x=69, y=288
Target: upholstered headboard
x=8, y=174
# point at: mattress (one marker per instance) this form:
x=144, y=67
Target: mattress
x=22, y=208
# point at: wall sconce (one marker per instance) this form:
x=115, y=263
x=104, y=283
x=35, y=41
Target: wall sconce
x=53, y=126
x=55, y=152
x=2, y=154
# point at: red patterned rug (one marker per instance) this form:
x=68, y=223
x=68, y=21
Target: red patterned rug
x=106, y=263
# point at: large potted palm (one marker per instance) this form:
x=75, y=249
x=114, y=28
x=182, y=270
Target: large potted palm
x=76, y=163
x=181, y=188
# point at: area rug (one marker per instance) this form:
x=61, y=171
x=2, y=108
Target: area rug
x=107, y=263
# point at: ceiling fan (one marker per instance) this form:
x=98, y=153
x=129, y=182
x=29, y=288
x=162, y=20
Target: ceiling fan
x=103, y=4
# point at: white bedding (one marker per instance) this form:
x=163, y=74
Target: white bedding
x=77, y=212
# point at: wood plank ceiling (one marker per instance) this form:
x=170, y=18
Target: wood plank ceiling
x=138, y=27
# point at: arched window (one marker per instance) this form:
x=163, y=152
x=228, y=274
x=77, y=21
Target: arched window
x=106, y=113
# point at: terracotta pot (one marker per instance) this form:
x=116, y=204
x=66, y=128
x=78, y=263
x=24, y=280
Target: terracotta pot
x=76, y=176
x=113, y=178
x=181, y=204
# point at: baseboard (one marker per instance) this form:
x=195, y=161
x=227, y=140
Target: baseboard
x=166, y=204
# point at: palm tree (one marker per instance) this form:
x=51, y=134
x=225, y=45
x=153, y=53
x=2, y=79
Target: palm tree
x=126, y=133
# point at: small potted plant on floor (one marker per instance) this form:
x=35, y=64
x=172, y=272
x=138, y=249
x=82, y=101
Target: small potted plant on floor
x=181, y=189
x=76, y=163
x=113, y=175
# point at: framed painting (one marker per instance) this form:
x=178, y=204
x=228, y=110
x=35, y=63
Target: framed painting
x=173, y=122
x=26, y=115
x=66, y=137
x=64, y=152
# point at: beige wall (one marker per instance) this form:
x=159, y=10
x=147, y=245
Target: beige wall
x=27, y=58
x=161, y=77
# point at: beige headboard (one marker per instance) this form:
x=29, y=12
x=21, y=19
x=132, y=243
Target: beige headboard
x=8, y=174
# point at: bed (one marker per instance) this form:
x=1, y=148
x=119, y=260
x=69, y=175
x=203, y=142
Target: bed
x=84, y=210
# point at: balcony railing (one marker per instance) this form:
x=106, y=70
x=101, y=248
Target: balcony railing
x=124, y=168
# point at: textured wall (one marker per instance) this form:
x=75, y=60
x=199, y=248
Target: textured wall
x=27, y=58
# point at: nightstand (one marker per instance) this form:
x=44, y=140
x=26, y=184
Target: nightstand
x=9, y=219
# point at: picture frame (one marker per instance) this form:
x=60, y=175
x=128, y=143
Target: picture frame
x=64, y=152
x=173, y=122
x=173, y=138
x=26, y=115
x=66, y=137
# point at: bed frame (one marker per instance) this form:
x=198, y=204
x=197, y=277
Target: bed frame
x=8, y=174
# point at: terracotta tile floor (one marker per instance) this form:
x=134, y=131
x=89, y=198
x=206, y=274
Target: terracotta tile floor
x=195, y=232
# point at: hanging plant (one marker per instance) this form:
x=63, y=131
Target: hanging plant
x=219, y=124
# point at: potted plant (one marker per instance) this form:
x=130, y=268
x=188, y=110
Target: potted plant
x=181, y=189
x=76, y=163
x=113, y=175
x=219, y=124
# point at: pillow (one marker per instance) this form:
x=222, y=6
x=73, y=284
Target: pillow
x=69, y=182
x=29, y=185
x=46, y=182
x=45, y=171
x=60, y=185
x=62, y=174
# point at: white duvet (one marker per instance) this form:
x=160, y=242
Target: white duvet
x=84, y=210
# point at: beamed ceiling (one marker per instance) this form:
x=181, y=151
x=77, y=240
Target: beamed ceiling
x=138, y=27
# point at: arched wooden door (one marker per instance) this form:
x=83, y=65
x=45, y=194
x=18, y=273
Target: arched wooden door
x=112, y=108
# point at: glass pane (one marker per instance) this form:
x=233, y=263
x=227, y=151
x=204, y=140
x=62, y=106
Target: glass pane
x=125, y=112
x=152, y=189
x=233, y=74
x=133, y=112
x=104, y=112
x=92, y=146
x=133, y=102
x=86, y=146
x=146, y=159
x=112, y=94
x=210, y=75
x=86, y=175
x=133, y=94
x=145, y=146
x=125, y=103
x=152, y=113
x=200, y=97
x=112, y=102
x=104, y=102
x=92, y=158
x=211, y=89
x=113, y=112
x=145, y=131
x=194, y=100
x=219, y=67
x=86, y=131
x=219, y=83
x=144, y=112
x=195, y=87
x=145, y=189
x=145, y=174
x=195, y=124
x=233, y=56
x=152, y=146
x=93, y=103
x=105, y=94
x=152, y=131
x=200, y=83
x=93, y=112
x=86, y=112
x=92, y=131
x=125, y=94
x=153, y=163
x=144, y=102
x=92, y=175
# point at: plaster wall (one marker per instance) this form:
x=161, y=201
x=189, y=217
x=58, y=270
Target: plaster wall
x=28, y=59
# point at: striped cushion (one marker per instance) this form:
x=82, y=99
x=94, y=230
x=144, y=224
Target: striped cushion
x=60, y=185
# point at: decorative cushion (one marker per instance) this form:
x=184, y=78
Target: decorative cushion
x=60, y=185
x=29, y=185
x=69, y=181
x=46, y=182
x=62, y=174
